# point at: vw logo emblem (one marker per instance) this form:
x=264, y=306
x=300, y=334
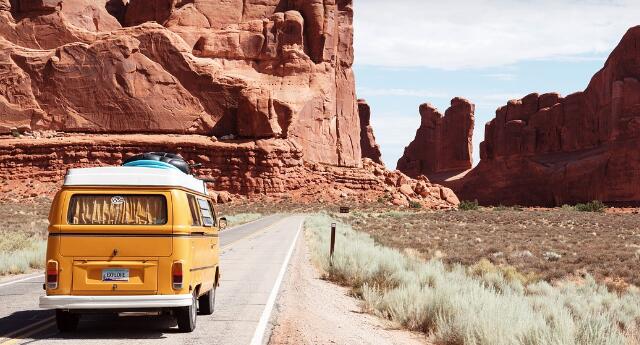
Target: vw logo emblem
x=117, y=200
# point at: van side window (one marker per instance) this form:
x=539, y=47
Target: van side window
x=205, y=210
x=195, y=214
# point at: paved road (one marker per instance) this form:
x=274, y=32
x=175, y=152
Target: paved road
x=253, y=261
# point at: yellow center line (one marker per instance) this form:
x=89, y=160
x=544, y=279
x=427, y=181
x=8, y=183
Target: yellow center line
x=9, y=335
x=47, y=325
x=28, y=334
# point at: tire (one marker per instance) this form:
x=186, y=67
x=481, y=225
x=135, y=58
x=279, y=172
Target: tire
x=187, y=316
x=207, y=302
x=66, y=321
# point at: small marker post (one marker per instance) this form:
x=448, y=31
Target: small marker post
x=333, y=243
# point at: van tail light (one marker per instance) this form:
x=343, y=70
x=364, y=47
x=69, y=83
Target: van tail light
x=176, y=275
x=52, y=274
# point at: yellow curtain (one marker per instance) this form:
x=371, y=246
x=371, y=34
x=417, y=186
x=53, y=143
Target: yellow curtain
x=118, y=210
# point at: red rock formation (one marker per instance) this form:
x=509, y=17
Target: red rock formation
x=443, y=144
x=77, y=89
x=254, y=69
x=34, y=165
x=370, y=149
x=548, y=150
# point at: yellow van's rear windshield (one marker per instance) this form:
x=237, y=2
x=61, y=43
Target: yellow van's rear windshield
x=114, y=209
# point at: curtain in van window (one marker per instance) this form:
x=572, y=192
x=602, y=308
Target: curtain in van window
x=118, y=210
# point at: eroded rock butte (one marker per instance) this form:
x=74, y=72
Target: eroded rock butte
x=370, y=149
x=443, y=144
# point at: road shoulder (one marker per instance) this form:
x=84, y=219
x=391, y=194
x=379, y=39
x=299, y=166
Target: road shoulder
x=313, y=311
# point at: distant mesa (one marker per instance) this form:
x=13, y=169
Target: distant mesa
x=443, y=146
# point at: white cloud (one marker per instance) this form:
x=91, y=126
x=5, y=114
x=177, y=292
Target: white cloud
x=487, y=33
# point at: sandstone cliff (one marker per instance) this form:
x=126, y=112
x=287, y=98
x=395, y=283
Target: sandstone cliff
x=370, y=149
x=549, y=150
x=251, y=69
x=443, y=145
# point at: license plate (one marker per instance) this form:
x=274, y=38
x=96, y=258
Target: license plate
x=115, y=275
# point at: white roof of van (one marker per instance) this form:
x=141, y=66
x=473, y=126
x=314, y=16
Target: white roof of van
x=133, y=176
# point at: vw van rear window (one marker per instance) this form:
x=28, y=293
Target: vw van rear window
x=111, y=209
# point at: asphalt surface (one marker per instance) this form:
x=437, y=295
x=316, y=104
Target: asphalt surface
x=253, y=260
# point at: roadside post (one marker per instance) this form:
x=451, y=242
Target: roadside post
x=333, y=243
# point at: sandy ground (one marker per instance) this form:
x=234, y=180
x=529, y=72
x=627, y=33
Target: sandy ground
x=315, y=312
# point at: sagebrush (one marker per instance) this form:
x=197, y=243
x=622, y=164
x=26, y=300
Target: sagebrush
x=593, y=206
x=466, y=205
x=20, y=253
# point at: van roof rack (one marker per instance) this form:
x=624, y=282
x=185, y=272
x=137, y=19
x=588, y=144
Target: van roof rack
x=133, y=176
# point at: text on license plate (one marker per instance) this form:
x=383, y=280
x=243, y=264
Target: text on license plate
x=115, y=275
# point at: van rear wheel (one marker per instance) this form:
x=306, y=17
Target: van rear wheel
x=187, y=316
x=67, y=321
x=207, y=302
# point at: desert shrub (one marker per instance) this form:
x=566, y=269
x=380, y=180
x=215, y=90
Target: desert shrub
x=384, y=199
x=242, y=218
x=415, y=205
x=394, y=214
x=594, y=206
x=481, y=305
x=466, y=205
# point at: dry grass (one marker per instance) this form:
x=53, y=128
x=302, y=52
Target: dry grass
x=242, y=218
x=480, y=305
x=23, y=231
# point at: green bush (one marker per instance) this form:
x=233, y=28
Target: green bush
x=594, y=206
x=466, y=205
x=415, y=204
x=482, y=305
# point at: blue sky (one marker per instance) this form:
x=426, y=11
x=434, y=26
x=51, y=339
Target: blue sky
x=488, y=51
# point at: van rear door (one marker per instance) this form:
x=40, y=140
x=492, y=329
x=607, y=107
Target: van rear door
x=115, y=240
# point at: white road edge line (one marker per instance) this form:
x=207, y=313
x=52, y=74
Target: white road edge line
x=258, y=336
x=35, y=275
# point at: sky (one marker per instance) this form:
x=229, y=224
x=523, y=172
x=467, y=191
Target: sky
x=410, y=52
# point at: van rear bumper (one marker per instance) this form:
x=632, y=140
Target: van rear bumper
x=115, y=302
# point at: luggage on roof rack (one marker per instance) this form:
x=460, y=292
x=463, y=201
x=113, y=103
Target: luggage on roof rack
x=170, y=158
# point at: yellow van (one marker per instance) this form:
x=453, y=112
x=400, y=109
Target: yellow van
x=132, y=238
